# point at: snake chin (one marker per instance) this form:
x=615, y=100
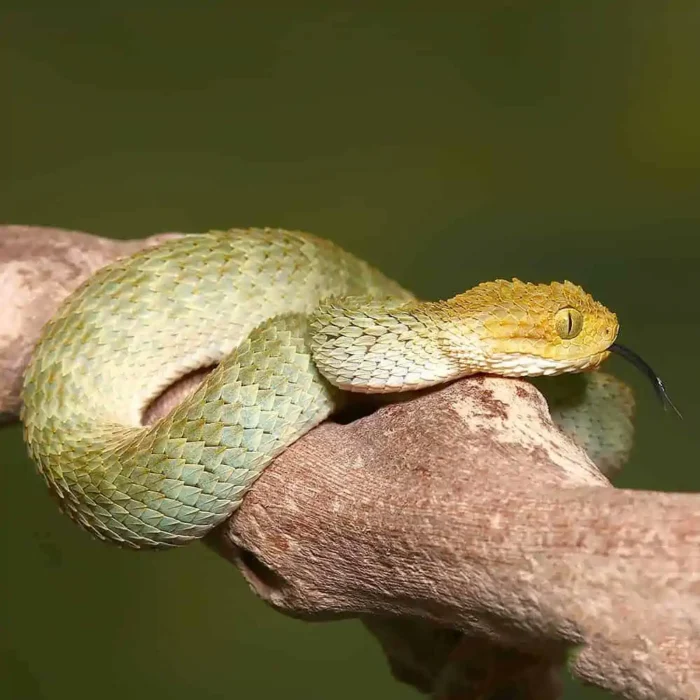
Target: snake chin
x=530, y=365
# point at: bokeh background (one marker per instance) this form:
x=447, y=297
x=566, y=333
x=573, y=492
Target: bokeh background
x=544, y=140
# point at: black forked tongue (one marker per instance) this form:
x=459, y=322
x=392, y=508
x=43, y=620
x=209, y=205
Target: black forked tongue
x=654, y=378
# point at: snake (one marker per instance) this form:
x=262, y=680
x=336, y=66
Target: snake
x=293, y=326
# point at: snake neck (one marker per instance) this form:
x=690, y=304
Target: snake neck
x=383, y=346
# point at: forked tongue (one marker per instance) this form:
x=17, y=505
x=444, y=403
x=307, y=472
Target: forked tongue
x=643, y=366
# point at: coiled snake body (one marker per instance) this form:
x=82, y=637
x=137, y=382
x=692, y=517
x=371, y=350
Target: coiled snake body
x=291, y=321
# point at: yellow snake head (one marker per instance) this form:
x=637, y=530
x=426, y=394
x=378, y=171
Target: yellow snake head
x=523, y=329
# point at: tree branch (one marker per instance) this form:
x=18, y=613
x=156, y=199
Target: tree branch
x=479, y=545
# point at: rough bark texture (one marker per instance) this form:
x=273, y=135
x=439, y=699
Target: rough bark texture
x=479, y=545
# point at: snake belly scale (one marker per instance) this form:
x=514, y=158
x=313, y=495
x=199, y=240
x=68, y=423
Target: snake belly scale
x=289, y=320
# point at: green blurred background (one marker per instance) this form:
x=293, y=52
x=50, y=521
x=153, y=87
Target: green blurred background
x=545, y=140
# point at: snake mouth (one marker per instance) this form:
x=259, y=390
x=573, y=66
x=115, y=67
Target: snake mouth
x=646, y=369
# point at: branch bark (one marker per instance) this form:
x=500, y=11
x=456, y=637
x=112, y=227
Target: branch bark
x=478, y=544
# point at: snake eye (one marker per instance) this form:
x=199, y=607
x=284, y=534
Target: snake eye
x=568, y=322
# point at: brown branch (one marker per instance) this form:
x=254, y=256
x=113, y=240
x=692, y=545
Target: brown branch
x=479, y=545
x=40, y=266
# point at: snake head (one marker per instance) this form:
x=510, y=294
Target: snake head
x=525, y=329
